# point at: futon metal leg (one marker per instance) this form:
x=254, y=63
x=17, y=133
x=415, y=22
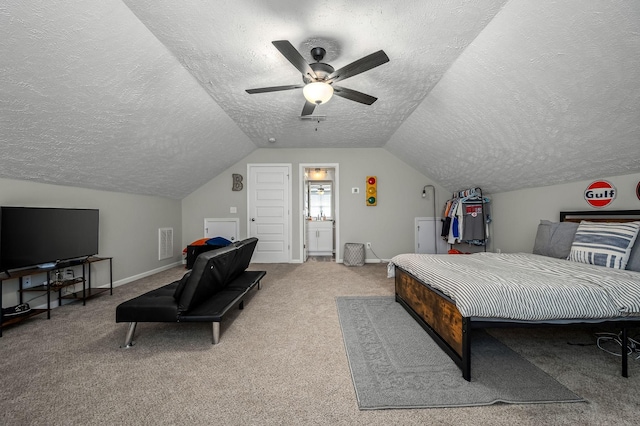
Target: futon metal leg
x=216, y=332
x=128, y=341
x=625, y=345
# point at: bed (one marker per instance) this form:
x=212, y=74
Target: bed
x=451, y=295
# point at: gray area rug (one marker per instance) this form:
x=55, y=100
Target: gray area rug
x=395, y=364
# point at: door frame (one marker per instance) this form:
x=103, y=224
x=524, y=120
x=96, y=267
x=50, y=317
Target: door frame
x=289, y=205
x=336, y=207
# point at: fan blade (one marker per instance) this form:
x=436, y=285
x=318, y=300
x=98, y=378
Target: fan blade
x=353, y=95
x=293, y=56
x=274, y=88
x=361, y=65
x=308, y=108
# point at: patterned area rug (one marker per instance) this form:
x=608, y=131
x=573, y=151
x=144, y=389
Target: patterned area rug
x=395, y=364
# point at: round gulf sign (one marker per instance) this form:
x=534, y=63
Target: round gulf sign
x=600, y=194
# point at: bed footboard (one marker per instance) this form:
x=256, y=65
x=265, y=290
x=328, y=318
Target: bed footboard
x=439, y=316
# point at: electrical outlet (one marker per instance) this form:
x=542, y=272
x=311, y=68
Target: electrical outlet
x=368, y=245
x=26, y=281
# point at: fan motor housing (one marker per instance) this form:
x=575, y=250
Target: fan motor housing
x=322, y=71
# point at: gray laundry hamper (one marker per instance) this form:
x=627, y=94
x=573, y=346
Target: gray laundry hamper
x=354, y=254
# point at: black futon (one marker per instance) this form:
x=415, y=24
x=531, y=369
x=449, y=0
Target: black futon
x=218, y=281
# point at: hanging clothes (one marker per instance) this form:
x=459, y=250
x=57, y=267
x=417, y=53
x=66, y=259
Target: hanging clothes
x=457, y=220
x=466, y=218
x=473, y=221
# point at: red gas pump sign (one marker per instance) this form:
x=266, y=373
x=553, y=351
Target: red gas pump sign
x=600, y=194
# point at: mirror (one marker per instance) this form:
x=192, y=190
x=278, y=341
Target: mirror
x=320, y=200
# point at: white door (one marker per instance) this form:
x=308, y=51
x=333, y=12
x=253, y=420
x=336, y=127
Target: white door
x=428, y=239
x=225, y=228
x=268, y=193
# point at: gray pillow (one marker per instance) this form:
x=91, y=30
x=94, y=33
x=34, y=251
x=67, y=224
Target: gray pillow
x=543, y=238
x=634, y=258
x=554, y=239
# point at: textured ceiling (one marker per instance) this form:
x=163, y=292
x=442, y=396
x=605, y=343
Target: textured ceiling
x=148, y=96
x=548, y=93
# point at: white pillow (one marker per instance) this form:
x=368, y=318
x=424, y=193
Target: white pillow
x=604, y=244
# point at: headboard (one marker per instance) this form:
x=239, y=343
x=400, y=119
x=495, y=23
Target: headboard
x=601, y=216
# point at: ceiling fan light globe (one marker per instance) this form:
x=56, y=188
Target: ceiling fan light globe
x=317, y=92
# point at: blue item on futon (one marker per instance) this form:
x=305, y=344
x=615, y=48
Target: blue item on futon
x=218, y=241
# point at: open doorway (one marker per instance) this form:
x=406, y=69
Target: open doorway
x=319, y=197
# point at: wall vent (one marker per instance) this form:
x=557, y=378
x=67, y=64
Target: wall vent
x=165, y=243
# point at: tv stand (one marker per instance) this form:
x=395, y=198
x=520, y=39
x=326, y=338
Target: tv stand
x=86, y=293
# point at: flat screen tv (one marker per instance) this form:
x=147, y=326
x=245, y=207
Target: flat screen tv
x=42, y=236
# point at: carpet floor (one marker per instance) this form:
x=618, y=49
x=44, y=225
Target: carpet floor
x=280, y=361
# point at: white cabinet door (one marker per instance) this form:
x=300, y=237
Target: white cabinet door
x=320, y=238
x=325, y=240
x=312, y=239
x=225, y=228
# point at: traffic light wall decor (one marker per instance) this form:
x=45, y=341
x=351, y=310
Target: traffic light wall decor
x=372, y=191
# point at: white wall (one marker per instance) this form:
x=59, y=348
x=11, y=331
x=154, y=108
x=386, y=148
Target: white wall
x=129, y=223
x=389, y=226
x=516, y=214
x=128, y=226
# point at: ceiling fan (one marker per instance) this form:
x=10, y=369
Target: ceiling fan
x=319, y=78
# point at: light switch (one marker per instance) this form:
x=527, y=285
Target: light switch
x=355, y=190
x=233, y=210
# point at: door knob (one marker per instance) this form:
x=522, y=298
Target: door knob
x=253, y=219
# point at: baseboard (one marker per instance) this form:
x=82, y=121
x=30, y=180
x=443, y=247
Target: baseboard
x=142, y=275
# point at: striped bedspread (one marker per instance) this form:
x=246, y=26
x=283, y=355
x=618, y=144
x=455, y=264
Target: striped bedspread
x=522, y=286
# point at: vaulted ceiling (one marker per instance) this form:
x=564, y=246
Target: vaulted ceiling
x=148, y=96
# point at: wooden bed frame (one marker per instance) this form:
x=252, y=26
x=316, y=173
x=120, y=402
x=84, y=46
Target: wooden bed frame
x=439, y=316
